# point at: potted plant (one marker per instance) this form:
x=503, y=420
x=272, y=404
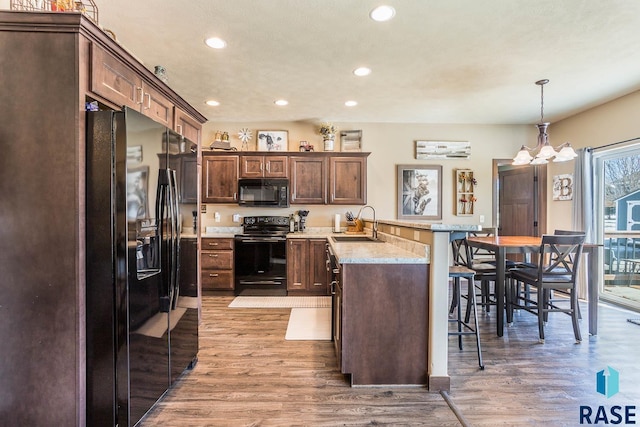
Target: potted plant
x=328, y=132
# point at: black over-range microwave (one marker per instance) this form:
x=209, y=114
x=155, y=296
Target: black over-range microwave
x=266, y=192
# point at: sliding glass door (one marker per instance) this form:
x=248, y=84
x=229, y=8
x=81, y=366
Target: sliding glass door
x=617, y=184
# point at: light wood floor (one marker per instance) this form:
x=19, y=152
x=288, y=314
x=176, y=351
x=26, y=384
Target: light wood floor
x=248, y=375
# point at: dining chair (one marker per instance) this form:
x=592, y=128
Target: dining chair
x=485, y=271
x=569, y=233
x=460, y=270
x=558, y=262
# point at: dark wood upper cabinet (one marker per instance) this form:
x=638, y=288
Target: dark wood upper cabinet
x=187, y=126
x=112, y=79
x=220, y=179
x=314, y=178
x=308, y=179
x=347, y=180
x=264, y=166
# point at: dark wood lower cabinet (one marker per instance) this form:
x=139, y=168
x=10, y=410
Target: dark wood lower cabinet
x=189, y=267
x=216, y=258
x=383, y=323
x=306, y=267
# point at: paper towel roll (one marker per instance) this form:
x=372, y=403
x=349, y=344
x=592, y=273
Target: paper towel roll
x=336, y=223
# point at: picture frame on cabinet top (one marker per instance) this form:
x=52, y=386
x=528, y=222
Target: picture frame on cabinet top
x=272, y=140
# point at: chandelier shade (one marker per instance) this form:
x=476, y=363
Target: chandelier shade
x=543, y=151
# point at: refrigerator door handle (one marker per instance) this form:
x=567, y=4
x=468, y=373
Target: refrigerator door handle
x=162, y=203
x=175, y=238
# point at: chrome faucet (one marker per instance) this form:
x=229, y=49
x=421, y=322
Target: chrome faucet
x=375, y=222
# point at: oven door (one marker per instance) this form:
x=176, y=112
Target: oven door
x=260, y=265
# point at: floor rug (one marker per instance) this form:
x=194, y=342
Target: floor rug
x=280, y=302
x=309, y=324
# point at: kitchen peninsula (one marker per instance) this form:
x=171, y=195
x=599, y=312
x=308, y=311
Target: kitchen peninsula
x=381, y=310
x=433, y=327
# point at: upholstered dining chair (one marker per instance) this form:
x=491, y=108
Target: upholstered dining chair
x=558, y=262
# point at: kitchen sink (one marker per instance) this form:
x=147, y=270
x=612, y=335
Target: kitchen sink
x=343, y=239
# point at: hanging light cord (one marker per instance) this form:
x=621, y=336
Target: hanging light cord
x=542, y=103
x=541, y=83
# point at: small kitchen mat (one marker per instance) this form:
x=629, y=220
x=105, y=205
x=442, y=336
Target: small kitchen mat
x=309, y=324
x=280, y=302
x=634, y=321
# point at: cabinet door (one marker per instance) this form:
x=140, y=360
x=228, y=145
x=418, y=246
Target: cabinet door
x=337, y=320
x=220, y=179
x=113, y=80
x=276, y=166
x=318, y=274
x=347, y=180
x=116, y=82
x=251, y=166
x=186, y=126
x=189, y=180
x=157, y=106
x=188, y=267
x=308, y=179
x=297, y=264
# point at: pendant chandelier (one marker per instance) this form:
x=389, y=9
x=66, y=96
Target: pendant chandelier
x=543, y=151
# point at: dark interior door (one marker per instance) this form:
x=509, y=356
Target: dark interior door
x=522, y=200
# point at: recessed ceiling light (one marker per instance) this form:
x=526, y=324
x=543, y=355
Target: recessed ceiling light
x=281, y=102
x=212, y=103
x=351, y=103
x=382, y=13
x=362, y=71
x=216, y=43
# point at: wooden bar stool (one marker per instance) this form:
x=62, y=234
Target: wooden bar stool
x=457, y=272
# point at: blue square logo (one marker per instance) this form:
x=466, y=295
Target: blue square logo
x=608, y=382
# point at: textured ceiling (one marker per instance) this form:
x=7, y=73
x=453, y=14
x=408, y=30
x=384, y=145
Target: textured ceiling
x=437, y=61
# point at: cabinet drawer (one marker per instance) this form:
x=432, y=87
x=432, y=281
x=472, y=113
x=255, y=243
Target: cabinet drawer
x=214, y=279
x=216, y=244
x=217, y=260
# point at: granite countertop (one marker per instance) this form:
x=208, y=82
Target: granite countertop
x=431, y=226
x=359, y=252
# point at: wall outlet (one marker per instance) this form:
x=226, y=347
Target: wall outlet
x=236, y=217
x=203, y=208
x=481, y=219
x=216, y=216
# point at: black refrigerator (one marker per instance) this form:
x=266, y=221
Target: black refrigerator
x=141, y=333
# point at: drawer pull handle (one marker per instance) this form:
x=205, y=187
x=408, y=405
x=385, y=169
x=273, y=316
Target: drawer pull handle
x=213, y=255
x=213, y=244
x=213, y=274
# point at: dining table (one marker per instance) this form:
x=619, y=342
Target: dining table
x=503, y=245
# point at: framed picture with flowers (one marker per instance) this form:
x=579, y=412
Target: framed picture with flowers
x=419, y=192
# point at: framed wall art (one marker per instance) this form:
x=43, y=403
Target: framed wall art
x=442, y=150
x=273, y=140
x=419, y=192
x=563, y=187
